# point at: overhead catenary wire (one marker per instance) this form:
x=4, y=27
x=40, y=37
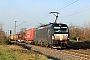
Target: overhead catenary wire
x=76, y=12
x=66, y=5
x=72, y=2
x=20, y=24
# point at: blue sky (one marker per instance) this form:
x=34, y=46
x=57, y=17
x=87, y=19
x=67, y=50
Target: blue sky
x=33, y=11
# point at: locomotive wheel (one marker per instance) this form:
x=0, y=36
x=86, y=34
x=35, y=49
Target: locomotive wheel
x=46, y=45
x=51, y=46
x=41, y=44
x=36, y=43
x=28, y=43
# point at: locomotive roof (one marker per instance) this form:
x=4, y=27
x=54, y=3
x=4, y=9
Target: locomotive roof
x=50, y=24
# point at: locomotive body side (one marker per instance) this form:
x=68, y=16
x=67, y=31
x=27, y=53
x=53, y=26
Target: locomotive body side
x=41, y=37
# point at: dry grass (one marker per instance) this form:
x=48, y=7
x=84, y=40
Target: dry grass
x=13, y=52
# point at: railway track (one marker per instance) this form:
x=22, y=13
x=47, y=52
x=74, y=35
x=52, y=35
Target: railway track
x=60, y=54
x=79, y=53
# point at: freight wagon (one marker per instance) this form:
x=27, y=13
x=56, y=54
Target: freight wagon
x=29, y=35
x=17, y=38
x=54, y=35
x=13, y=38
x=21, y=38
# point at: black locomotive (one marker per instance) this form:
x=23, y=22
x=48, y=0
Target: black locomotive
x=52, y=35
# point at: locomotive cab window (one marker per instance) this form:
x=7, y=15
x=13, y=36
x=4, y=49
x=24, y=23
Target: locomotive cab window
x=56, y=29
x=60, y=28
x=64, y=29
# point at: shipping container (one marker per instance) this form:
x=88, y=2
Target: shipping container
x=11, y=37
x=16, y=37
x=21, y=38
x=29, y=37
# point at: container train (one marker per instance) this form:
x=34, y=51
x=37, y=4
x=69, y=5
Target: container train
x=16, y=38
x=53, y=35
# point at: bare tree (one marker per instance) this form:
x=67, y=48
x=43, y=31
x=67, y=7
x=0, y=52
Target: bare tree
x=22, y=30
x=2, y=33
x=82, y=32
x=1, y=25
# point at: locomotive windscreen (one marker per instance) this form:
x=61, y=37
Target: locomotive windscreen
x=61, y=28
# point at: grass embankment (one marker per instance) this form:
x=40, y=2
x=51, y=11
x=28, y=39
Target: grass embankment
x=13, y=52
x=81, y=44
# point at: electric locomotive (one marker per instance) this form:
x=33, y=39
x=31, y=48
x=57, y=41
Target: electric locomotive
x=55, y=35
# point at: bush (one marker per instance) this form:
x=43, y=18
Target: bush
x=3, y=41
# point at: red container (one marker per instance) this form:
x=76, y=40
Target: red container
x=30, y=34
x=16, y=37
